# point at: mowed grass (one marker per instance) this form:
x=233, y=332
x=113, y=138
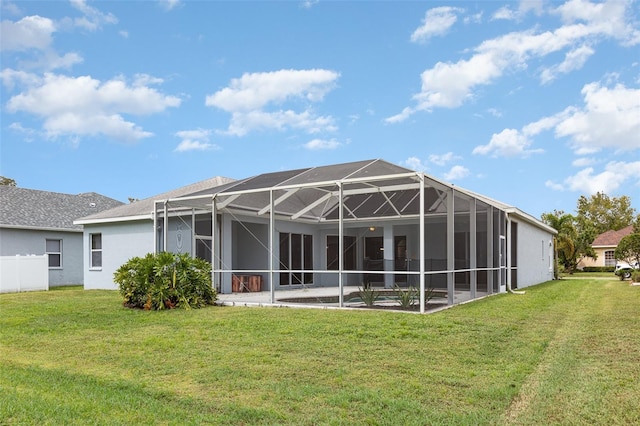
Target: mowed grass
x=566, y=352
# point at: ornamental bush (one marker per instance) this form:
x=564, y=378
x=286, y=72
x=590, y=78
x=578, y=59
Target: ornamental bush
x=165, y=281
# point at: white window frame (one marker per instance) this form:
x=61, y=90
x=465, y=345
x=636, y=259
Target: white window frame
x=95, y=250
x=49, y=253
x=609, y=258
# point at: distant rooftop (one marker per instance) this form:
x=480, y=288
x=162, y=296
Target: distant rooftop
x=612, y=238
x=35, y=209
x=143, y=208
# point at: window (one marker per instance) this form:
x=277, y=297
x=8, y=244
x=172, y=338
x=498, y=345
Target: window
x=96, y=250
x=609, y=258
x=54, y=252
x=349, y=252
x=296, y=256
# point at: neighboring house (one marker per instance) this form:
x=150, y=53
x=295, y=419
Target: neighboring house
x=605, y=246
x=355, y=224
x=34, y=222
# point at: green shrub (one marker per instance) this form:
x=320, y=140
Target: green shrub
x=635, y=276
x=165, y=281
x=598, y=269
x=624, y=273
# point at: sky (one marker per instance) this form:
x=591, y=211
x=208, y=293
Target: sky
x=532, y=103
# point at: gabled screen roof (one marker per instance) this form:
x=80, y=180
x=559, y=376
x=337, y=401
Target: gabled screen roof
x=371, y=189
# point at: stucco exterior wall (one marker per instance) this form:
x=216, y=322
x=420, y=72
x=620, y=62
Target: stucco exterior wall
x=120, y=242
x=588, y=261
x=535, y=255
x=33, y=242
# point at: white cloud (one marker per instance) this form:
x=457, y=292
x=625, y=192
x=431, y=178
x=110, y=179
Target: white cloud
x=416, y=164
x=93, y=18
x=195, y=140
x=141, y=80
x=244, y=122
x=248, y=97
x=575, y=59
x=506, y=13
x=11, y=78
x=256, y=90
x=322, y=144
x=308, y=4
x=612, y=178
x=495, y=112
x=456, y=172
x=524, y=7
x=508, y=143
x=200, y=134
x=443, y=159
x=437, y=22
x=475, y=18
x=31, y=32
x=583, y=162
x=29, y=134
x=10, y=8
x=169, y=4
x=83, y=106
x=609, y=118
x=553, y=185
x=449, y=85
x=191, y=145
x=35, y=34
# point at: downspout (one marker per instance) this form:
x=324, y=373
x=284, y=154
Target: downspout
x=165, y=236
x=341, y=244
x=509, y=289
x=155, y=227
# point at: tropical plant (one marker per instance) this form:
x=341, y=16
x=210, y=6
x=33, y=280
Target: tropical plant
x=406, y=298
x=165, y=281
x=565, y=240
x=369, y=295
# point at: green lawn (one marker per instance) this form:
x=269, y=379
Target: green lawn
x=566, y=352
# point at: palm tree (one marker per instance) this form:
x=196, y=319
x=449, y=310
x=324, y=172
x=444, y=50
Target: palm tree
x=566, y=241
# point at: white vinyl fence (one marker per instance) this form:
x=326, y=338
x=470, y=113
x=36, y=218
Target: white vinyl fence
x=23, y=273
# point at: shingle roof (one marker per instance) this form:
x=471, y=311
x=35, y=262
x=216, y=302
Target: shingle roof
x=35, y=209
x=143, y=208
x=612, y=238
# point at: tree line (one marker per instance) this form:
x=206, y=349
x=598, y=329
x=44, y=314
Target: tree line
x=595, y=215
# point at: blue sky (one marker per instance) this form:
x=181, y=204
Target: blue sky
x=532, y=103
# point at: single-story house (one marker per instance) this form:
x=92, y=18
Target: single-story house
x=114, y=236
x=353, y=225
x=34, y=222
x=605, y=246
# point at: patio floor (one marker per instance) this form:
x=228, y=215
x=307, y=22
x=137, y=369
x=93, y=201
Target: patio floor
x=311, y=297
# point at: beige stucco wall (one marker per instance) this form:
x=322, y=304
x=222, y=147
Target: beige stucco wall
x=588, y=261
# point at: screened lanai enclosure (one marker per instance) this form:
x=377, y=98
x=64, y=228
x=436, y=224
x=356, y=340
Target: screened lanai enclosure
x=345, y=228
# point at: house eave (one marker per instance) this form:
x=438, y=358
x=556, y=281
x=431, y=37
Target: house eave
x=113, y=219
x=530, y=219
x=41, y=228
